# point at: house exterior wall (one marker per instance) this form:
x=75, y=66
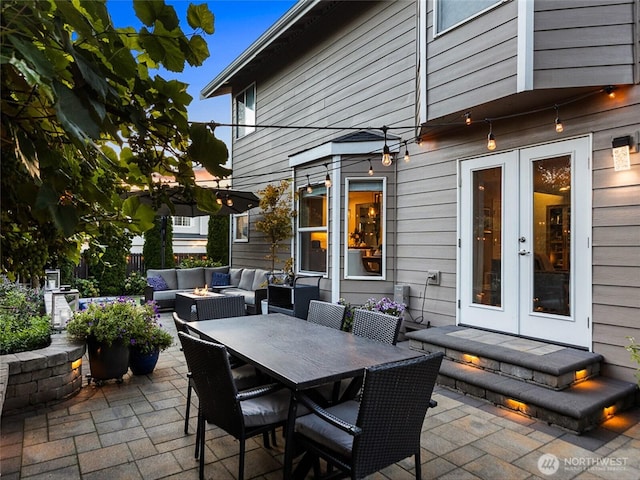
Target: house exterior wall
x=358, y=67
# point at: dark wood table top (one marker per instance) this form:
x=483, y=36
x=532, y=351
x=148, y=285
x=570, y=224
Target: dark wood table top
x=298, y=353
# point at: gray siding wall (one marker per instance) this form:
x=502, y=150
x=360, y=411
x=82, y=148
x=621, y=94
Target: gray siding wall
x=582, y=42
x=427, y=223
x=473, y=63
x=354, y=70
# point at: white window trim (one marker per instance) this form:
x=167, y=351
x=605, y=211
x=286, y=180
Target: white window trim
x=383, y=219
x=236, y=136
x=300, y=230
x=235, y=227
x=437, y=33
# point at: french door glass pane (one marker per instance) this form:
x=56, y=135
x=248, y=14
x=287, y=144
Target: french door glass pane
x=487, y=236
x=552, y=235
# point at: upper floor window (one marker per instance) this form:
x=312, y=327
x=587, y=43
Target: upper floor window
x=245, y=111
x=312, y=230
x=365, y=227
x=241, y=227
x=449, y=13
x=181, y=221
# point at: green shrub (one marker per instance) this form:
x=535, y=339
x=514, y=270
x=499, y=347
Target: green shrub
x=198, y=262
x=134, y=284
x=88, y=287
x=23, y=324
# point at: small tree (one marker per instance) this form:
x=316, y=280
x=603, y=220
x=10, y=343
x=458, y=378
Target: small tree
x=152, y=247
x=277, y=215
x=107, y=258
x=218, y=239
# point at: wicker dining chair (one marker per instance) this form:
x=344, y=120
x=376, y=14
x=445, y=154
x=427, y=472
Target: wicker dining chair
x=221, y=307
x=240, y=414
x=245, y=376
x=376, y=326
x=327, y=314
x=361, y=438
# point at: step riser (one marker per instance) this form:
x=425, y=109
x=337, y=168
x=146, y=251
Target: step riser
x=543, y=379
x=575, y=425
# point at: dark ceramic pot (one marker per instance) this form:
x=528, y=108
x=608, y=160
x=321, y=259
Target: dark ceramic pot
x=142, y=363
x=107, y=362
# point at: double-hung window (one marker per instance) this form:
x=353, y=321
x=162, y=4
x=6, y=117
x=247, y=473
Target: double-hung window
x=245, y=111
x=450, y=13
x=365, y=228
x=312, y=230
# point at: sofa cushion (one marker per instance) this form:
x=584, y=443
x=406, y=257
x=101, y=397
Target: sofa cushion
x=235, y=273
x=189, y=278
x=246, y=280
x=169, y=275
x=157, y=283
x=165, y=295
x=209, y=271
x=260, y=279
x=219, y=279
x=249, y=295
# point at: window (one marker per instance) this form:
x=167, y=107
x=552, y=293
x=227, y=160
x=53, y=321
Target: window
x=449, y=13
x=365, y=228
x=245, y=110
x=181, y=221
x=312, y=230
x=241, y=227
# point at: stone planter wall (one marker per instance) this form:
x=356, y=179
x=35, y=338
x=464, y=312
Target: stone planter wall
x=31, y=380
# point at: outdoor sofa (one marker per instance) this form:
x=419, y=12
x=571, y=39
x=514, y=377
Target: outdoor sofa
x=163, y=284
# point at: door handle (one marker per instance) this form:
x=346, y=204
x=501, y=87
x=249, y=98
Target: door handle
x=524, y=252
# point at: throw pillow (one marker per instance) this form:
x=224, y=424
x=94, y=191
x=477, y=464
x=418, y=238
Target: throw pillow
x=157, y=283
x=219, y=279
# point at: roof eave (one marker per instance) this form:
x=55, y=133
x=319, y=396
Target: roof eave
x=221, y=85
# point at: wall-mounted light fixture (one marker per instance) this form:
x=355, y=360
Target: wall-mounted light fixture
x=621, y=147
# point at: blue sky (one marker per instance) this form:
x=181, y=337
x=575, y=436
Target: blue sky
x=238, y=23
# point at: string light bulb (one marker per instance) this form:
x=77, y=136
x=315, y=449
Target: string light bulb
x=327, y=179
x=407, y=158
x=467, y=118
x=229, y=201
x=309, y=187
x=218, y=198
x=611, y=91
x=370, y=169
x=386, y=152
x=559, y=126
x=491, y=139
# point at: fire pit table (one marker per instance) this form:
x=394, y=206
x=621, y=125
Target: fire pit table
x=186, y=303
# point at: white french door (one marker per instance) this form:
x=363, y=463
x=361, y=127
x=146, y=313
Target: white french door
x=525, y=254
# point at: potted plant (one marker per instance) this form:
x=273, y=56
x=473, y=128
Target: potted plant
x=148, y=339
x=385, y=305
x=277, y=215
x=110, y=328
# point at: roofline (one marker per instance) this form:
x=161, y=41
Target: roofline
x=217, y=86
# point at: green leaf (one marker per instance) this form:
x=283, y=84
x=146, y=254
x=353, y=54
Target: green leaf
x=73, y=115
x=199, y=16
x=207, y=150
x=142, y=216
x=151, y=11
x=198, y=51
x=38, y=62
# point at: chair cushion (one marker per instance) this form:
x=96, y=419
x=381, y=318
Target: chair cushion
x=260, y=279
x=322, y=432
x=218, y=279
x=235, y=273
x=249, y=296
x=189, y=278
x=157, y=283
x=169, y=275
x=267, y=409
x=165, y=294
x=246, y=280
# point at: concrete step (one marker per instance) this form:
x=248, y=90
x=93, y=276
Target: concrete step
x=578, y=408
x=550, y=366
x=553, y=383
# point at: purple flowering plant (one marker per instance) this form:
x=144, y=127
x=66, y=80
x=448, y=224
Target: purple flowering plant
x=121, y=320
x=385, y=305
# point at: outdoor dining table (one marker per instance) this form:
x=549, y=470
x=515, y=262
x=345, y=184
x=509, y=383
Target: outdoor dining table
x=299, y=354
